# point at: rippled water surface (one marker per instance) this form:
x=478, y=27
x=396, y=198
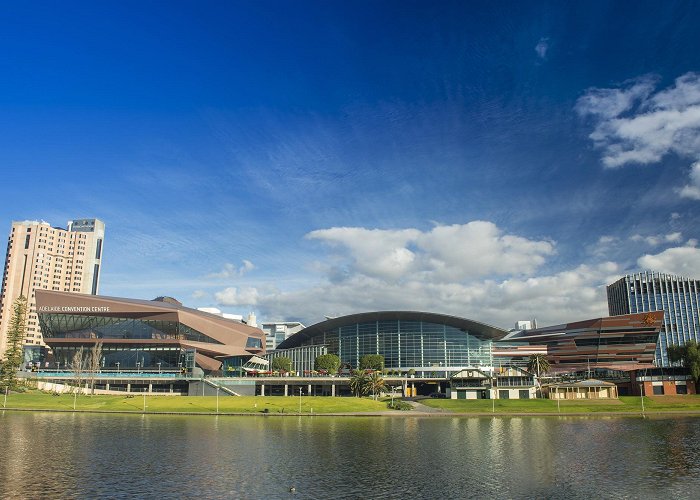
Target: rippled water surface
x=66, y=455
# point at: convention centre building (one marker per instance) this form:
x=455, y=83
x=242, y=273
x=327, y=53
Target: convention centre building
x=142, y=335
x=419, y=341
x=437, y=352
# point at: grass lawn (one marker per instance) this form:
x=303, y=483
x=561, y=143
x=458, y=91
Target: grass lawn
x=320, y=404
x=624, y=404
x=194, y=404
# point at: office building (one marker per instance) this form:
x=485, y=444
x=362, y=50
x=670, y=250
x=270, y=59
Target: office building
x=649, y=291
x=277, y=332
x=40, y=256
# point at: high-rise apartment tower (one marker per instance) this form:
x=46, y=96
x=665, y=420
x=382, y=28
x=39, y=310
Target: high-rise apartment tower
x=51, y=258
x=648, y=291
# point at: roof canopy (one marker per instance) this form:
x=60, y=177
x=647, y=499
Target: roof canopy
x=480, y=330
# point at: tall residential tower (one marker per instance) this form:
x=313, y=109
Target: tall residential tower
x=648, y=291
x=52, y=258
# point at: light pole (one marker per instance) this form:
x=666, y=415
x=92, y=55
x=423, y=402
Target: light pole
x=144, y=402
x=299, y=400
x=117, y=366
x=159, y=363
x=4, y=403
x=217, y=400
x=641, y=396
x=493, y=387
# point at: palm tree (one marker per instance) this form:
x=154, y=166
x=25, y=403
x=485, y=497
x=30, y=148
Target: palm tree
x=375, y=384
x=538, y=364
x=359, y=383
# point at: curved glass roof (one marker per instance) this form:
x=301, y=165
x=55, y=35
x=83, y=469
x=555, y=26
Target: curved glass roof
x=479, y=330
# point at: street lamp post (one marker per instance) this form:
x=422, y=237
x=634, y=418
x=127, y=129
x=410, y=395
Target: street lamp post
x=299, y=400
x=4, y=403
x=117, y=363
x=159, y=363
x=493, y=388
x=217, y=400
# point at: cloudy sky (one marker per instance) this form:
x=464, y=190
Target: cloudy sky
x=496, y=161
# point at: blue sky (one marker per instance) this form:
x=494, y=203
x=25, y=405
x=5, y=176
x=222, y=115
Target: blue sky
x=493, y=160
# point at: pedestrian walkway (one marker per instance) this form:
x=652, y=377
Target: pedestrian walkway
x=423, y=408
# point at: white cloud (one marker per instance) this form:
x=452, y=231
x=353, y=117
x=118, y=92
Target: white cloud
x=604, y=246
x=606, y=104
x=683, y=261
x=231, y=271
x=445, y=253
x=566, y=296
x=542, y=47
x=635, y=125
x=655, y=240
x=692, y=189
x=472, y=270
x=374, y=252
x=233, y=296
x=480, y=248
x=199, y=294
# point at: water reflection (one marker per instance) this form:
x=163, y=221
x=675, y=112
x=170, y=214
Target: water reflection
x=76, y=455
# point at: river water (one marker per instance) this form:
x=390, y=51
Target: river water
x=64, y=455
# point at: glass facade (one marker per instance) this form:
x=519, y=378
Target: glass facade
x=77, y=326
x=122, y=357
x=406, y=344
x=303, y=358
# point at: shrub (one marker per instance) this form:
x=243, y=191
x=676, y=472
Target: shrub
x=397, y=404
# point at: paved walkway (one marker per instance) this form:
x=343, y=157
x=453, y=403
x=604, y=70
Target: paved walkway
x=420, y=407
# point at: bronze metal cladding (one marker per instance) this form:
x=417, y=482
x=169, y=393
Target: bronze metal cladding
x=231, y=337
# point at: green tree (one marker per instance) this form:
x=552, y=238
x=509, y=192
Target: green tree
x=329, y=362
x=372, y=362
x=688, y=355
x=538, y=364
x=375, y=384
x=359, y=383
x=283, y=363
x=13, y=355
